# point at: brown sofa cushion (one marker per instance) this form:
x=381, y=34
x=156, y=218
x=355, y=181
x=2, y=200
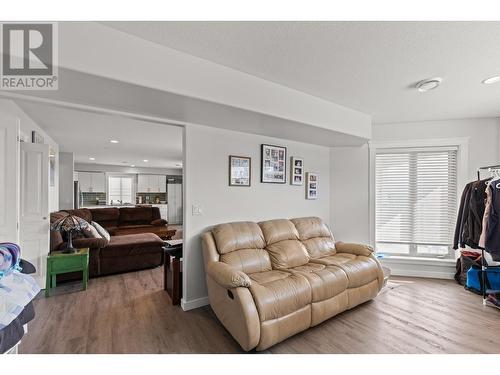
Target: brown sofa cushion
x=83, y=213
x=132, y=244
x=135, y=215
x=107, y=217
x=159, y=222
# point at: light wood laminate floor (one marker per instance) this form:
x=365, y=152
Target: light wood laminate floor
x=130, y=313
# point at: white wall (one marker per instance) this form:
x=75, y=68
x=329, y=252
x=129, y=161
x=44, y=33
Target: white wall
x=206, y=183
x=349, y=194
x=27, y=125
x=483, y=134
x=87, y=167
x=66, y=168
x=350, y=166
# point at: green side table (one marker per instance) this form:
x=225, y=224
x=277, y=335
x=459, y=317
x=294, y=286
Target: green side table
x=59, y=262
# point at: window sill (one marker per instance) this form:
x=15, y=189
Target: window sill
x=416, y=260
x=420, y=267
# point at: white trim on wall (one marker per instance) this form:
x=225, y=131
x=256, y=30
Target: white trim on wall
x=463, y=156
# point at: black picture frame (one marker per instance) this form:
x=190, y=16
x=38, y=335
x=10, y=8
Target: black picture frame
x=273, y=166
x=233, y=183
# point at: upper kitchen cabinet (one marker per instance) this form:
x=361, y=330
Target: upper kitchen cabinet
x=162, y=183
x=92, y=182
x=151, y=183
x=142, y=183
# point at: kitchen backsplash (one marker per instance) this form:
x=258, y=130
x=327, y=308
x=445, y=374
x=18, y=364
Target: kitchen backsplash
x=91, y=199
x=151, y=197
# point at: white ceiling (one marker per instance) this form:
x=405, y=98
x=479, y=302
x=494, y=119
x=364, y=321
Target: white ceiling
x=367, y=66
x=88, y=134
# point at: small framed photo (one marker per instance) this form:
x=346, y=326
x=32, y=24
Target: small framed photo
x=273, y=164
x=311, y=185
x=296, y=171
x=240, y=170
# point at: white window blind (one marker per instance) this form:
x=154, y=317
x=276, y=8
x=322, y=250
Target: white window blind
x=120, y=189
x=416, y=197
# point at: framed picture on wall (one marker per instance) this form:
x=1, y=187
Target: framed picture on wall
x=311, y=185
x=273, y=168
x=296, y=171
x=240, y=170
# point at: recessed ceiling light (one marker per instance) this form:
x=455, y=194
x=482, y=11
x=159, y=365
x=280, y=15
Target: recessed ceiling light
x=145, y=160
x=114, y=141
x=132, y=165
x=489, y=81
x=91, y=158
x=428, y=84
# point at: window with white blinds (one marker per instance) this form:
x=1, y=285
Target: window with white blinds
x=120, y=190
x=416, y=198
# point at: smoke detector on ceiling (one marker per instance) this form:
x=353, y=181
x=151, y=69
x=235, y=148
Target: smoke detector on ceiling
x=428, y=84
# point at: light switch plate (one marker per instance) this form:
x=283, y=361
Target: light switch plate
x=197, y=210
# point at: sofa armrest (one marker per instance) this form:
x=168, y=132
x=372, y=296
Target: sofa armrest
x=227, y=276
x=354, y=248
x=92, y=243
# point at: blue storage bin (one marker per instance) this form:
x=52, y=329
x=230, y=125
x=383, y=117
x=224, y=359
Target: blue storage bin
x=474, y=280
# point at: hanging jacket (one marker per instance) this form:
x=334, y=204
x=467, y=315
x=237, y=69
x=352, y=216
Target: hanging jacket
x=462, y=214
x=493, y=231
x=474, y=220
x=487, y=210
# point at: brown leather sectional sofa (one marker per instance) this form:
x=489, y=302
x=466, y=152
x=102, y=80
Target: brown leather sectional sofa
x=270, y=280
x=134, y=244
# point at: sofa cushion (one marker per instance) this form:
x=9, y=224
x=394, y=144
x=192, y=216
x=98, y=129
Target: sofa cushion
x=315, y=235
x=278, y=230
x=283, y=245
x=360, y=270
x=83, y=213
x=287, y=254
x=107, y=217
x=326, y=281
x=135, y=215
x=237, y=236
x=279, y=293
x=248, y=260
x=132, y=244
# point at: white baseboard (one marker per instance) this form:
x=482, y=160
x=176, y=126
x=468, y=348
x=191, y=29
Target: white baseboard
x=194, y=303
x=432, y=268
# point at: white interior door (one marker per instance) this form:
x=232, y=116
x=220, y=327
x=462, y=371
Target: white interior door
x=34, y=208
x=9, y=178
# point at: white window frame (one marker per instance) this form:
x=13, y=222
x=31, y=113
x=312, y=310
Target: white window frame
x=462, y=167
x=127, y=175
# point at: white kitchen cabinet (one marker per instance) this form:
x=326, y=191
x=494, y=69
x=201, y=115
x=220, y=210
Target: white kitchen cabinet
x=151, y=183
x=98, y=182
x=84, y=181
x=142, y=183
x=162, y=184
x=92, y=182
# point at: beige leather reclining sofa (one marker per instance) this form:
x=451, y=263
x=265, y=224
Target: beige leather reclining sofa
x=270, y=280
